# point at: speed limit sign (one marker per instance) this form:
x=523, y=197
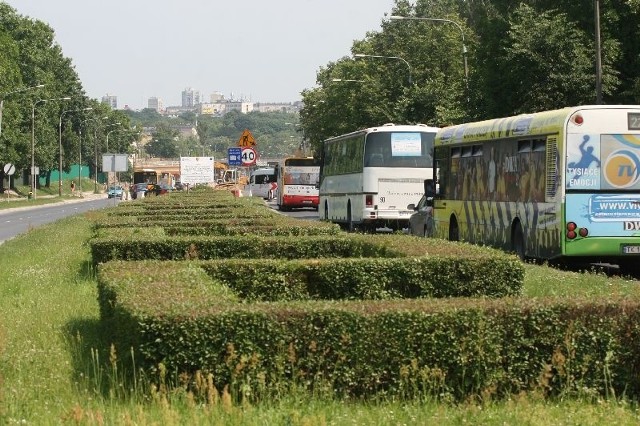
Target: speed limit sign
x=249, y=156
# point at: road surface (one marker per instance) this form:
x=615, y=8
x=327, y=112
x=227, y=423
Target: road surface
x=17, y=221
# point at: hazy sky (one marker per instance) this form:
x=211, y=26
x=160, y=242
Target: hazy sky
x=261, y=50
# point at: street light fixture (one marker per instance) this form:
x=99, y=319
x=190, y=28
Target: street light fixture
x=33, y=139
x=80, y=152
x=60, y=137
x=348, y=80
x=4, y=95
x=362, y=55
x=111, y=131
x=464, y=46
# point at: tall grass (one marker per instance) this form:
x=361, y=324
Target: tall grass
x=55, y=368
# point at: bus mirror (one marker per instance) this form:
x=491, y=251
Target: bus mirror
x=430, y=188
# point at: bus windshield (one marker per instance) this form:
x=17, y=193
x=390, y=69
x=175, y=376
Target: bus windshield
x=399, y=149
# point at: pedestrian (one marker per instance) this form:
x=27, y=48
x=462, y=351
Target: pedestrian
x=73, y=188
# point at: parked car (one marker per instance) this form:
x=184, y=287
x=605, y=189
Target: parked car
x=161, y=188
x=138, y=188
x=421, y=222
x=115, y=191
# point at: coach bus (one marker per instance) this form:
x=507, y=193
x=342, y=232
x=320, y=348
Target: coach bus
x=298, y=183
x=369, y=177
x=554, y=185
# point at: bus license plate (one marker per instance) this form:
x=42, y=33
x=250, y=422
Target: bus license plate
x=629, y=249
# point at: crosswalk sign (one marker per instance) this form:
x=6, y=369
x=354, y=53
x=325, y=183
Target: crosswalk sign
x=246, y=139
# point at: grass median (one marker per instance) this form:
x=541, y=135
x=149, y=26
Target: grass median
x=56, y=368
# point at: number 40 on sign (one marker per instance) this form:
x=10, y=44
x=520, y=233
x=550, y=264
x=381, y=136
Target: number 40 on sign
x=249, y=156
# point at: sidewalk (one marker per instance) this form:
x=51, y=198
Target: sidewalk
x=86, y=196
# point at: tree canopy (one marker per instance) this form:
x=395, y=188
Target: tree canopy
x=524, y=56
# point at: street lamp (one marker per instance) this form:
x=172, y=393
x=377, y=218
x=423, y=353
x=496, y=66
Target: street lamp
x=464, y=46
x=111, y=131
x=347, y=80
x=4, y=95
x=80, y=152
x=596, y=8
x=362, y=55
x=33, y=139
x=60, y=136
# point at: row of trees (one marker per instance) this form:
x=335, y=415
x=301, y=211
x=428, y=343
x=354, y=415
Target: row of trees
x=40, y=92
x=523, y=56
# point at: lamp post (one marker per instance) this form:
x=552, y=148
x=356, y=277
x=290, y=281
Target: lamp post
x=4, y=95
x=464, y=46
x=80, y=152
x=111, y=131
x=362, y=55
x=596, y=7
x=60, y=143
x=33, y=139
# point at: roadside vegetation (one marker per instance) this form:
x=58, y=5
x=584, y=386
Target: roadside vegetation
x=56, y=368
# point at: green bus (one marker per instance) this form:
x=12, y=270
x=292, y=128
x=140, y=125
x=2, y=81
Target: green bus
x=553, y=185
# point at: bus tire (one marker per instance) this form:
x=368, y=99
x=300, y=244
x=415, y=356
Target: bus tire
x=326, y=211
x=454, y=230
x=517, y=240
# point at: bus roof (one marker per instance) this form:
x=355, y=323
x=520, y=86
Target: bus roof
x=389, y=127
x=537, y=123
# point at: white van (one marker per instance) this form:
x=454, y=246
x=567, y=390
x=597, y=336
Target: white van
x=263, y=183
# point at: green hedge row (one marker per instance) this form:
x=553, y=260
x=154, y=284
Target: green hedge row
x=122, y=247
x=451, y=348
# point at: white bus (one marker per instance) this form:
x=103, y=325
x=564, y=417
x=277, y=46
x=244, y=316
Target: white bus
x=263, y=183
x=368, y=177
x=298, y=183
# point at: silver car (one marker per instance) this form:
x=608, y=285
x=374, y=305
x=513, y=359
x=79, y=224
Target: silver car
x=421, y=222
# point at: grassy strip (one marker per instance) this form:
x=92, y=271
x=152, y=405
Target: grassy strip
x=55, y=367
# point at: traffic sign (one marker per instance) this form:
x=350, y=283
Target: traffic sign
x=9, y=169
x=249, y=156
x=246, y=139
x=235, y=157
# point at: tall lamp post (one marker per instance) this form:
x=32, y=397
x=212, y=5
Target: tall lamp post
x=464, y=46
x=4, y=95
x=111, y=131
x=362, y=55
x=60, y=143
x=33, y=139
x=80, y=151
x=596, y=7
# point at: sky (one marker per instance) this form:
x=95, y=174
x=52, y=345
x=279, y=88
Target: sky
x=257, y=50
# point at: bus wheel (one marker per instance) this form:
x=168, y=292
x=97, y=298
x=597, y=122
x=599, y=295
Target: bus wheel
x=517, y=241
x=326, y=211
x=454, y=231
x=629, y=268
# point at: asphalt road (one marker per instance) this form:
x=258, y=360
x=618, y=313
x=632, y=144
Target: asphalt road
x=17, y=221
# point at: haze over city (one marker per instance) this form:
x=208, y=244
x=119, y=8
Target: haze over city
x=253, y=50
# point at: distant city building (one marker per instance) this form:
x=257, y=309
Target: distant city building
x=155, y=104
x=243, y=107
x=190, y=98
x=216, y=97
x=276, y=107
x=110, y=100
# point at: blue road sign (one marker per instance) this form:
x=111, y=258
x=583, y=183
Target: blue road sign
x=235, y=156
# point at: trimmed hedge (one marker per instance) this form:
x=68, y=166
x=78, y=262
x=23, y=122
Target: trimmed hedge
x=121, y=247
x=451, y=348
